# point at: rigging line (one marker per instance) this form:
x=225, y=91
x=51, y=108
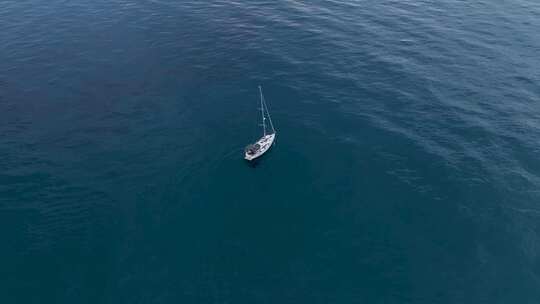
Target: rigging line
x=269, y=118
x=263, y=100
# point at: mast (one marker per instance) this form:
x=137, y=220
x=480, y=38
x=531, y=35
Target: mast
x=262, y=112
x=263, y=101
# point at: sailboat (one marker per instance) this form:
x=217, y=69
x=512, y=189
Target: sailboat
x=262, y=145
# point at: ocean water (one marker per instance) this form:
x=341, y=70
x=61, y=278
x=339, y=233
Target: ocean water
x=406, y=167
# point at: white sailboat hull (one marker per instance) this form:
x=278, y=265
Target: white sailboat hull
x=262, y=145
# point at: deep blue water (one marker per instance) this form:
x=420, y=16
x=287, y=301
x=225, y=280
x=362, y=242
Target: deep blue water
x=406, y=169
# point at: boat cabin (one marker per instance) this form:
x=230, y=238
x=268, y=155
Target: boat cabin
x=252, y=149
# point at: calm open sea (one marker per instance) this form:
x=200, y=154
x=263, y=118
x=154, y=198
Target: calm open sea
x=406, y=168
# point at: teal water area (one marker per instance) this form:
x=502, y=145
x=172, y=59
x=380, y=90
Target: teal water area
x=406, y=167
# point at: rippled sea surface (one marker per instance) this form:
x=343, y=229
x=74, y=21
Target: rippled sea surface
x=406, y=169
